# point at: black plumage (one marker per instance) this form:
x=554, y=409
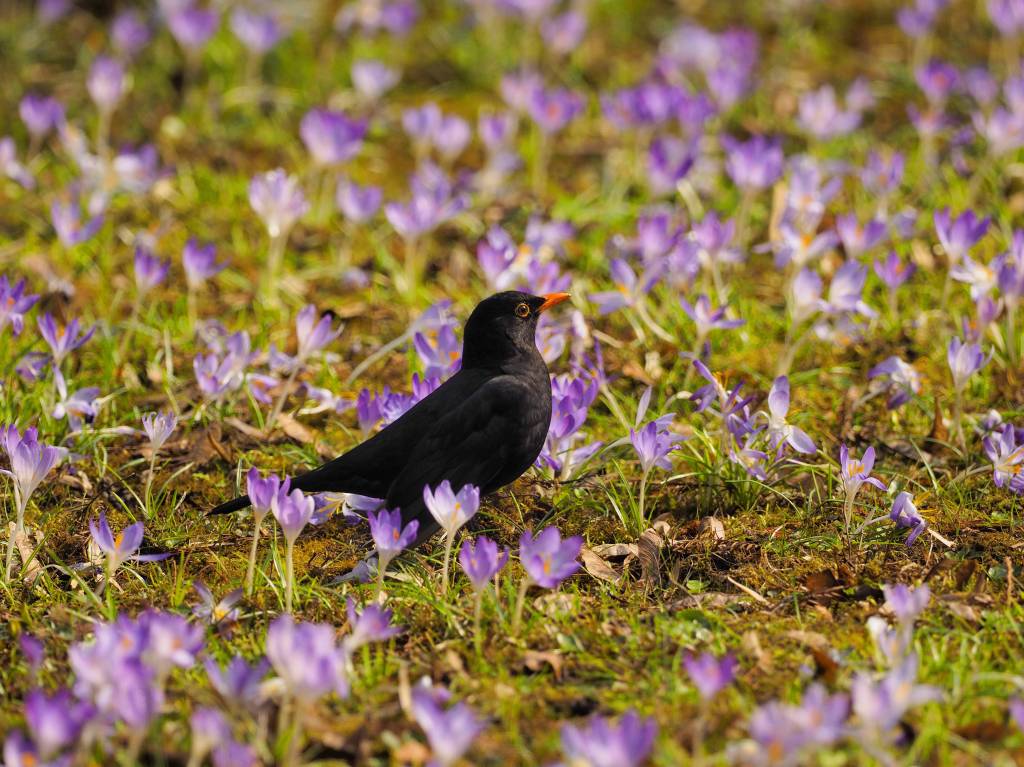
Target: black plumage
x=484, y=426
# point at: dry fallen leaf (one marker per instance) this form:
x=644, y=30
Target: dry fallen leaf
x=649, y=550
x=714, y=527
x=598, y=567
x=535, y=660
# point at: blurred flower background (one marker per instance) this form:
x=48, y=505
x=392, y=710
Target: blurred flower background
x=776, y=519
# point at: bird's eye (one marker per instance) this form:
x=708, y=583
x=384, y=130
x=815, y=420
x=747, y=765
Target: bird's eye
x=522, y=310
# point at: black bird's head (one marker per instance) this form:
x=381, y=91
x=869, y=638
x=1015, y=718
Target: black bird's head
x=504, y=325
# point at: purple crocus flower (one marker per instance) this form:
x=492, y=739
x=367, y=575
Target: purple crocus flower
x=958, y=235
x=906, y=603
x=171, y=641
x=258, y=32
x=669, y=159
x=784, y=731
x=482, y=560
x=200, y=262
x=440, y=353
x=821, y=116
x=629, y=288
x=893, y=272
x=41, y=114
x=313, y=332
x=937, y=79
x=1016, y=707
x=846, y=289
x=292, y=510
x=626, y=743
x=106, y=83
x=881, y=705
x=1007, y=16
x=54, y=722
x=882, y=174
x=373, y=78
x=780, y=432
x=449, y=509
x=71, y=230
x=1007, y=459
x=753, y=164
x=563, y=33
x=433, y=201
x=192, y=27
x=234, y=754
x=904, y=513
x=901, y=380
x=331, y=137
x=859, y=238
x=373, y=624
x=278, y=200
x=50, y=11
x=129, y=32
x=62, y=341
x=78, y=407
x=122, y=547
x=209, y=728
x=150, y=271
x=14, y=303
x=547, y=558
x=710, y=674
x=965, y=359
x=30, y=461
x=389, y=537
x=553, y=109
x=653, y=443
x=357, y=203
x=240, y=683
x=10, y=167
x=856, y=473
x=708, y=318
x=450, y=731
x=216, y=612
x=307, y=659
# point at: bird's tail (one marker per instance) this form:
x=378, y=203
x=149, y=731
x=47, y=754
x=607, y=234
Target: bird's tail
x=226, y=508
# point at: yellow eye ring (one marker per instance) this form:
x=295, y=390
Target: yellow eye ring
x=522, y=310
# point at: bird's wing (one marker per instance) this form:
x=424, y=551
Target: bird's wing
x=471, y=444
x=371, y=467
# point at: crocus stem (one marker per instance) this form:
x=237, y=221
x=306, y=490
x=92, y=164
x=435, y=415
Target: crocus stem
x=517, y=615
x=190, y=303
x=848, y=511
x=743, y=216
x=294, y=754
x=381, y=567
x=289, y=574
x=383, y=351
x=138, y=738
x=279, y=404
x=149, y=485
x=699, y=728
x=958, y=409
x=540, y=164
x=643, y=493
x=413, y=269
x=1012, y=347
x=250, y=572
x=13, y=529
x=275, y=257
x=478, y=611
x=660, y=332
x=449, y=539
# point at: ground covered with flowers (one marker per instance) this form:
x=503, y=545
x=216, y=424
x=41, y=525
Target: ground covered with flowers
x=777, y=516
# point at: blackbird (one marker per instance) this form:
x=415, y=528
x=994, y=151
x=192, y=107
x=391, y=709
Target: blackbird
x=484, y=426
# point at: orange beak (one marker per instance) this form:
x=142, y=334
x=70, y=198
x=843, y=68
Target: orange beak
x=552, y=299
